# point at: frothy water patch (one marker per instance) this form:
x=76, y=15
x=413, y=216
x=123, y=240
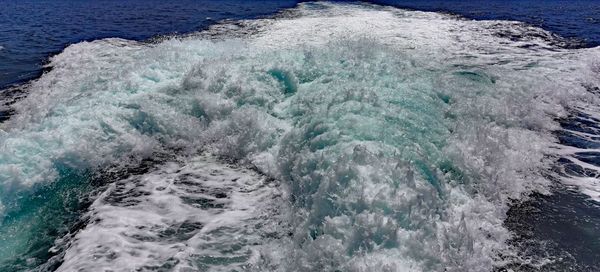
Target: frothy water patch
x=197, y=214
x=399, y=139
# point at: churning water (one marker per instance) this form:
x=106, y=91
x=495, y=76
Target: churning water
x=332, y=137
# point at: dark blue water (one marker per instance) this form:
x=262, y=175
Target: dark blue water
x=575, y=19
x=32, y=30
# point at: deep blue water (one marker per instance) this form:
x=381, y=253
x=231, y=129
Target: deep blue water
x=32, y=30
x=574, y=19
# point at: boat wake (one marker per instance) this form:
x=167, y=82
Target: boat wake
x=380, y=140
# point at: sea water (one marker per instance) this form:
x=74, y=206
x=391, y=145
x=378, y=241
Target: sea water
x=331, y=137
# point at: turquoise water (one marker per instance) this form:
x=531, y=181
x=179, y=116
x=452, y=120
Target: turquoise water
x=349, y=137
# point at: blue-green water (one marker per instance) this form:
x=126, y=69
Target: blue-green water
x=331, y=137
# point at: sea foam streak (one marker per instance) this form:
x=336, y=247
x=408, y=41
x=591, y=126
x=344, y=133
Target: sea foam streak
x=399, y=137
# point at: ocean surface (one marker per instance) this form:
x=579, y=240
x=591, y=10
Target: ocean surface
x=33, y=30
x=311, y=136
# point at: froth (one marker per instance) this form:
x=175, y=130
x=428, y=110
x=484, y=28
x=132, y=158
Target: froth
x=400, y=136
x=196, y=214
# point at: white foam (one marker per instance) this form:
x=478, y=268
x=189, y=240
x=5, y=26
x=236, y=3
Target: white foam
x=191, y=214
x=400, y=135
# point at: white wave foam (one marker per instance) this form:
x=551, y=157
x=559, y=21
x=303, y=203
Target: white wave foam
x=199, y=213
x=400, y=135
